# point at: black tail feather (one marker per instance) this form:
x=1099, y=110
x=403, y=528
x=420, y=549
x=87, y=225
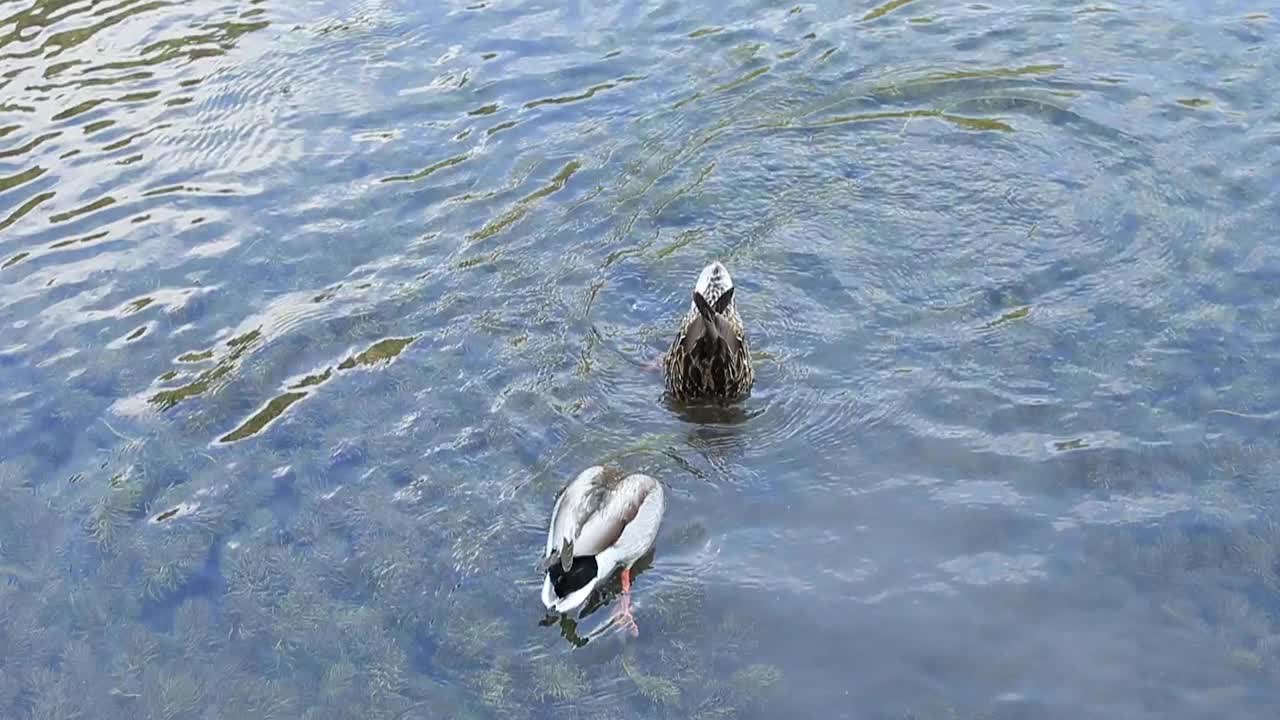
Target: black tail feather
x=579, y=574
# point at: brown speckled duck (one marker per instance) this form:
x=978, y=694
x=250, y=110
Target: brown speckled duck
x=709, y=358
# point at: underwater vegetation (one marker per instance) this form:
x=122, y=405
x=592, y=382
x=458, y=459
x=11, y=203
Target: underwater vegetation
x=294, y=583
x=339, y=562
x=208, y=594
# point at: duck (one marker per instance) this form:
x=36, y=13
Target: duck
x=602, y=521
x=710, y=358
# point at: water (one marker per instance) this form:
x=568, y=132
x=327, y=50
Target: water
x=308, y=310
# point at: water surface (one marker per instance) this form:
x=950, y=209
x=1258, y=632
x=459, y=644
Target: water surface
x=307, y=311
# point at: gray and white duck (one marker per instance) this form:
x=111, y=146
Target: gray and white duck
x=602, y=521
x=710, y=358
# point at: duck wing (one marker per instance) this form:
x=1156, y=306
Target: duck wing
x=577, y=516
x=610, y=514
x=593, y=511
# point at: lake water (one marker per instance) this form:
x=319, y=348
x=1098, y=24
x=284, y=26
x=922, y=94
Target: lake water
x=308, y=309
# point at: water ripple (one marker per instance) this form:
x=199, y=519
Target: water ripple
x=309, y=309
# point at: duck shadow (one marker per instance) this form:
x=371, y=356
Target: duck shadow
x=604, y=595
x=717, y=430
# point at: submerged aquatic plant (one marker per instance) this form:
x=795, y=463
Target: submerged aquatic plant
x=736, y=637
x=170, y=564
x=471, y=636
x=654, y=688
x=1246, y=661
x=78, y=660
x=337, y=682
x=13, y=473
x=110, y=515
x=559, y=680
x=308, y=528
x=494, y=686
x=679, y=605
x=715, y=707
x=49, y=697
x=754, y=681
x=170, y=695
x=144, y=469
x=193, y=627
x=135, y=650
x=32, y=534
x=257, y=573
x=249, y=695
x=682, y=657
x=387, y=669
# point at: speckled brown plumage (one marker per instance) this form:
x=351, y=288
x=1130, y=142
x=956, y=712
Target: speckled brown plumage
x=710, y=358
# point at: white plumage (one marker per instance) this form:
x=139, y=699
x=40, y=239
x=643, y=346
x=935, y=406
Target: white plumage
x=602, y=521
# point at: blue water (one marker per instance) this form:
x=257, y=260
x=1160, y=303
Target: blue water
x=308, y=309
